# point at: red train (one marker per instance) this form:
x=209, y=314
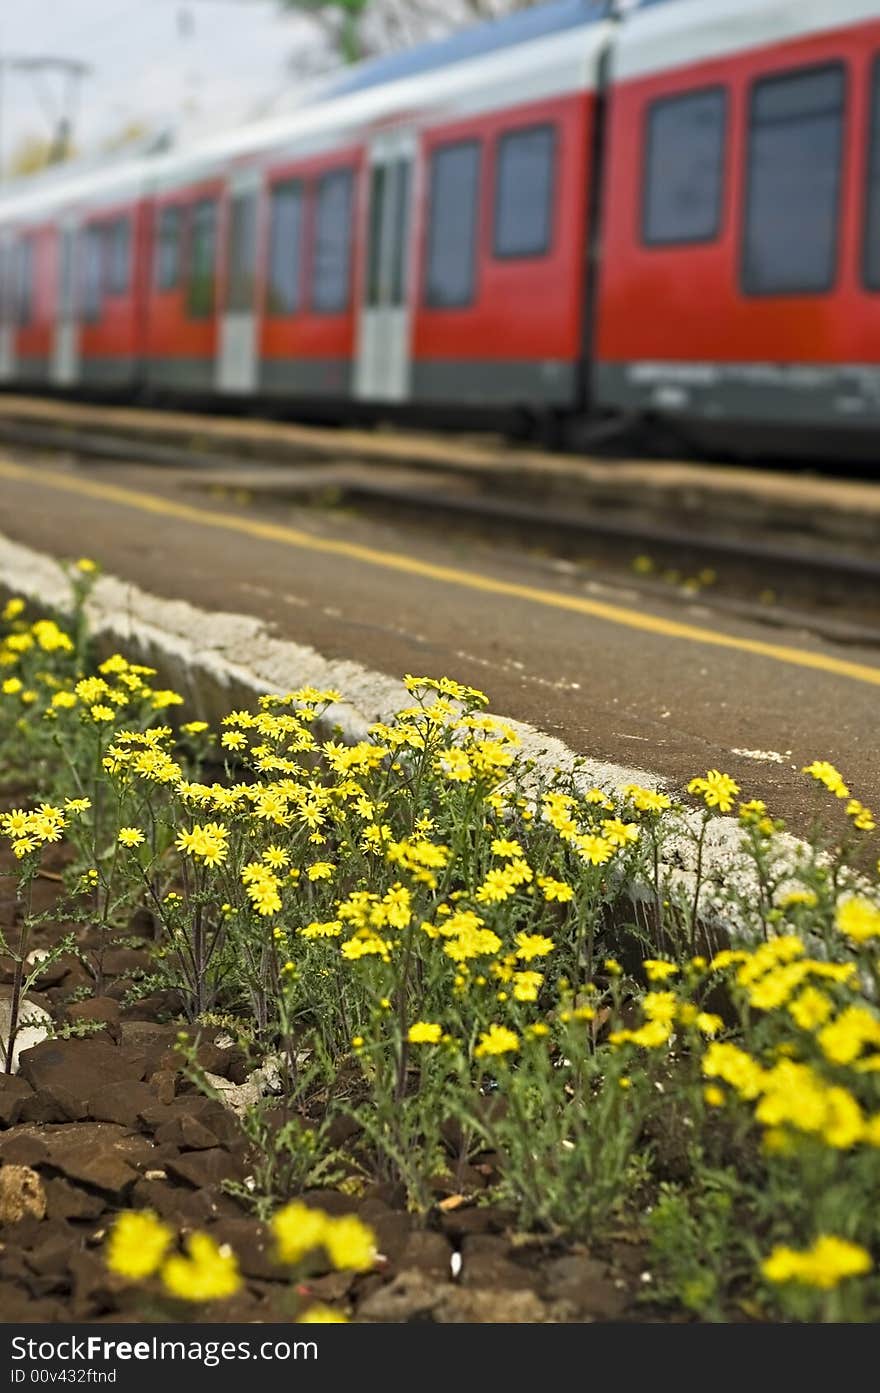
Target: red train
x=594, y=210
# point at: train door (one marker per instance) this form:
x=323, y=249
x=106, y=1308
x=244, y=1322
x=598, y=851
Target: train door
x=65, y=345
x=8, y=300
x=237, y=360
x=384, y=353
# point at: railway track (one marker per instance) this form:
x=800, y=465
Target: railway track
x=819, y=561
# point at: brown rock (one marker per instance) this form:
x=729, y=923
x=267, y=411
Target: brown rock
x=164, y=1085
x=99, y=1154
x=53, y=1103
x=124, y=962
x=121, y=1103
x=66, y=1201
x=486, y=1263
x=476, y=1219
x=209, y=1167
x=93, y=1285
x=54, y=973
x=149, y=1039
x=102, y=1010
x=430, y=1252
x=50, y=1257
x=187, y=1133
x=166, y=1003
x=19, y=1307
x=82, y=1067
x=253, y=1244
x=468, y=1307
x=584, y=1283
x=391, y=1227
x=182, y=1207
x=412, y=1295
x=21, y=1194
x=23, y=1146
x=13, y=1092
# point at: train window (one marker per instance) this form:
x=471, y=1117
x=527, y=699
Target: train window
x=67, y=275
x=285, y=248
x=871, y=265
x=118, y=255
x=793, y=182
x=331, y=257
x=378, y=194
x=167, y=268
x=25, y=282
x=452, y=225
x=202, y=255
x=684, y=168
x=400, y=232
x=242, y=257
x=524, y=192
x=91, y=272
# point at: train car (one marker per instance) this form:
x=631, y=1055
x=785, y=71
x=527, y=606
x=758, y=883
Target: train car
x=593, y=211
x=415, y=238
x=72, y=303
x=740, y=283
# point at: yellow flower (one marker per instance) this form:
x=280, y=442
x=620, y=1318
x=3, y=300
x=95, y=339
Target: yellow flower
x=424, y=1033
x=208, y=1273
x=349, y=1244
x=320, y=870
x=526, y=984
x=593, y=849
x=130, y=836
x=331, y=928
x=714, y=1095
x=506, y=849
x=828, y=1262
x=645, y=800
x=660, y=1006
x=556, y=890
x=843, y=1039
x=811, y=1009
x=650, y=1036
x=728, y=1062
x=808, y=898
x=496, y=1040
x=619, y=833
x=86, y=565
x=276, y=857
x=858, y=919
x=137, y=1244
x=207, y=843
x=717, y=790
x=658, y=971
x=825, y=773
x=298, y=1231
x=529, y=946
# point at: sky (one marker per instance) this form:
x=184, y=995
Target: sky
x=196, y=62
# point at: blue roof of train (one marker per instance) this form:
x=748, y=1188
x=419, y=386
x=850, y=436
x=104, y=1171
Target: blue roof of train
x=475, y=41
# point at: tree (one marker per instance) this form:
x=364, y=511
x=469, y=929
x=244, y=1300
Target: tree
x=357, y=29
x=34, y=153
x=340, y=21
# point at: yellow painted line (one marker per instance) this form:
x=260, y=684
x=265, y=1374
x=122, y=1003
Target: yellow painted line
x=158, y=506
